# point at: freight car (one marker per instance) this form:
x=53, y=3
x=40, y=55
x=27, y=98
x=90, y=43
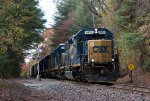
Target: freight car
x=87, y=56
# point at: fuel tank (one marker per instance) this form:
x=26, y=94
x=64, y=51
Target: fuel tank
x=68, y=75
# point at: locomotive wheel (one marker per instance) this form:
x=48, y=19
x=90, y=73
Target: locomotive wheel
x=82, y=77
x=77, y=77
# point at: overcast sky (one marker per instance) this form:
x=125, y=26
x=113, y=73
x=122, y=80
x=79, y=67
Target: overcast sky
x=49, y=8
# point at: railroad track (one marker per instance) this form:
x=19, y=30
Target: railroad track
x=126, y=87
x=135, y=88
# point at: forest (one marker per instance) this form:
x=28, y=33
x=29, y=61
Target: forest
x=21, y=24
x=129, y=20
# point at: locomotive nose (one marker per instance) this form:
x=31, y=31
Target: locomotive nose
x=99, y=51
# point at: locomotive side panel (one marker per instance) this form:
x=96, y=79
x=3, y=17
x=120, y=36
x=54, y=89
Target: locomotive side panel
x=59, y=56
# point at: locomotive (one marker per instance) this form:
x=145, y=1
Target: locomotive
x=87, y=56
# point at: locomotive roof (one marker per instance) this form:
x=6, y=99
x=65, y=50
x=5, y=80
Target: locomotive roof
x=81, y=32
x=60, y=45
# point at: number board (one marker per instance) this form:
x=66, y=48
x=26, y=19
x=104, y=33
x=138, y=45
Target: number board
x=89, y=32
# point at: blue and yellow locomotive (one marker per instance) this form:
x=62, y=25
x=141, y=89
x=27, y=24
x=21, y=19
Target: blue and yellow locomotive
x=87, y=56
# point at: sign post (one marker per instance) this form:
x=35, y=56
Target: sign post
x=131, y=67
x=131, y=76
x=38, y=67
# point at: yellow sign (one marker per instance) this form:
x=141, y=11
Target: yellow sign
x=131, y=67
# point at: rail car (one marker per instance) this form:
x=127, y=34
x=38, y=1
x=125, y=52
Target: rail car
x=33, y=70
x=87, y=56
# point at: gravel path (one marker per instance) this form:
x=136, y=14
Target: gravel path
x=62, y=90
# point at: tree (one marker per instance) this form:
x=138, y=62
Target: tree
x=132, y=24
x=71, y=17
x=64, y=19
x=83, y=18
x=20, y=25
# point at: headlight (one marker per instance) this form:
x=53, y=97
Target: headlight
x=95, y=30
x=112, y=59
x=92, y=60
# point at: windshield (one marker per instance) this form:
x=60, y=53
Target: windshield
x=100, y=49
x=99, y=37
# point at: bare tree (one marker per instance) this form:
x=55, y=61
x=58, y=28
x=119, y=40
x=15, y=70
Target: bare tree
x=95, y=6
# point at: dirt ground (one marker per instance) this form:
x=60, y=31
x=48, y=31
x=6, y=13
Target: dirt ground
x=138, y=77
x=12, y=91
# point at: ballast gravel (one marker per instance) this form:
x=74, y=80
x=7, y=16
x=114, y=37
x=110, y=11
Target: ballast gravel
x=64, y=90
